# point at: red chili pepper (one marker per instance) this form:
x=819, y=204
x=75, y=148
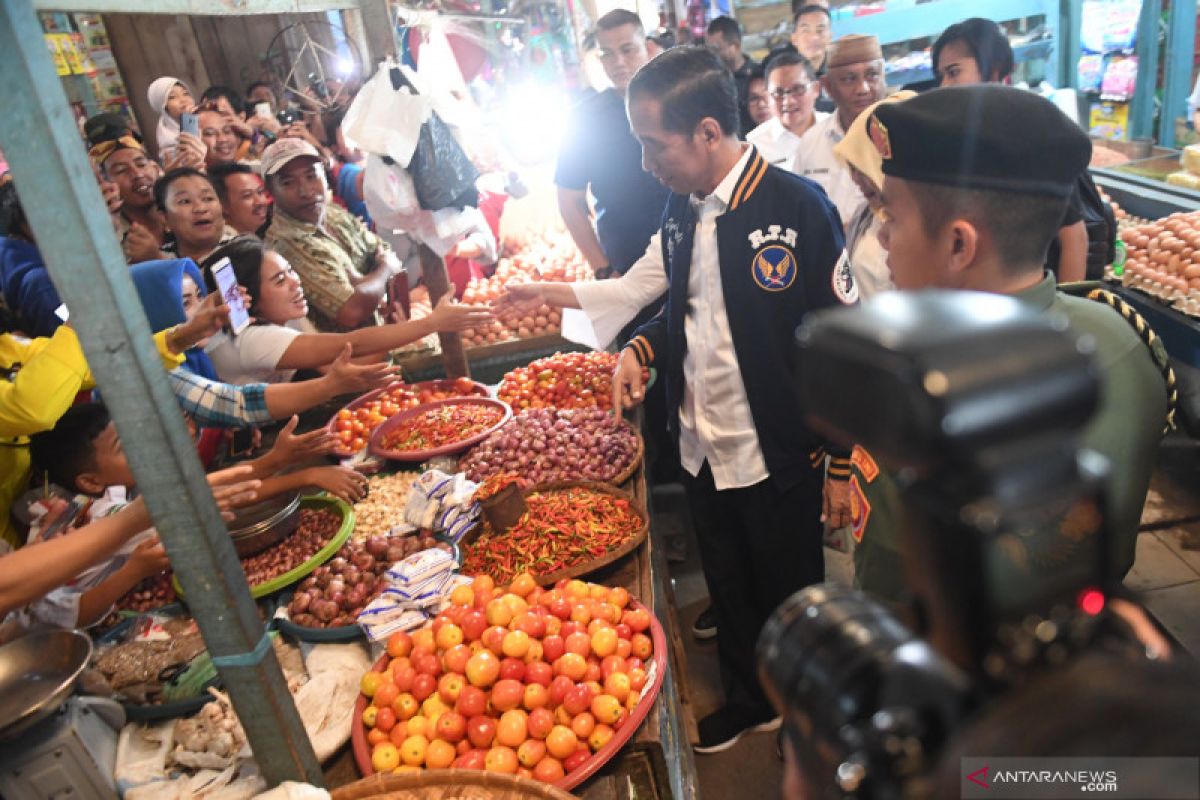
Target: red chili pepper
x=562, y=529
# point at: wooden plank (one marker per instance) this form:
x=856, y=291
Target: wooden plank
x=134, y=69
x=213, y=50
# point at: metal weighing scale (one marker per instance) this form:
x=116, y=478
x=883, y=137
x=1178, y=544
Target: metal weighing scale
x=54, y=746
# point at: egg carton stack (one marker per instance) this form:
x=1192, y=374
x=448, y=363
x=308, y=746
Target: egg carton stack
x=1164, y=260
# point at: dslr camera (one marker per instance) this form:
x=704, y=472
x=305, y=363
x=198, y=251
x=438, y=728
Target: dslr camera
x=975, y=405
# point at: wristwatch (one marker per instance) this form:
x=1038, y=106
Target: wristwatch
x=605, y=272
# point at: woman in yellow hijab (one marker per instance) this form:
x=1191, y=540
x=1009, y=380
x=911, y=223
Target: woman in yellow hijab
x=868, y=259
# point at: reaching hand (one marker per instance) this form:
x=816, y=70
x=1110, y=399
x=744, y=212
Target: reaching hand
x=628, y=386
x=451, y=316
x=343, y=483
x=467, y=249
x=268, y=124
x=230, y=490
x=521, y=296
x=211, y=315
x=348, y=377
x=290, y=448
x=149, y=558
x=299, y=130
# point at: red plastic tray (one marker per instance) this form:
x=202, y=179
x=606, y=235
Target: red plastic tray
x=376, y=448
x=656, y=673
x=358, y=402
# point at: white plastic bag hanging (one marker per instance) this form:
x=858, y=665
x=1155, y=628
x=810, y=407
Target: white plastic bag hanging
x=385, y=121
x=392, y=202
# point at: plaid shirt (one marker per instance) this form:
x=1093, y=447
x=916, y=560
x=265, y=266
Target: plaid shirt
x=325, y=257
x=220, y=405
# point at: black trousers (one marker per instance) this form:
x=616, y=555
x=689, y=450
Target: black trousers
x=757, y=547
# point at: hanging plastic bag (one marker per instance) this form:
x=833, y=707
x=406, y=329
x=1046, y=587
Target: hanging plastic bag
x=443, y=175
x=385, y=121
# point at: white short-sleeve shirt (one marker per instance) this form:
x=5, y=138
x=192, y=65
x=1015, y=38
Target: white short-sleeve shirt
x=252, y=355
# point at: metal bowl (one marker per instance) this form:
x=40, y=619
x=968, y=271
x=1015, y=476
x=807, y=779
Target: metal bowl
x=37, y=673
x=257, y=527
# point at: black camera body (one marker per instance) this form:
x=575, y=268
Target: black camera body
x=976, y=404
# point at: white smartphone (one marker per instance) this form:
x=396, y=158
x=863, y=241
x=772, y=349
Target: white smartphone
x=227, y=285
x=262, y=109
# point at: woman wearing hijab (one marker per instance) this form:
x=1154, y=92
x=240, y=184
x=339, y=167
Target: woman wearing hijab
x=170, y=98
x=868, y=259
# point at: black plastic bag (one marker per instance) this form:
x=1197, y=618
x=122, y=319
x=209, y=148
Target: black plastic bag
x=442, y=174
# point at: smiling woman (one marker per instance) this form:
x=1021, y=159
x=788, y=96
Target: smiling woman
x=193, y=214
x=279, y=343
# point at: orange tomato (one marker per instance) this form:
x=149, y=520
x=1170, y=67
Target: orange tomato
x=501, y=759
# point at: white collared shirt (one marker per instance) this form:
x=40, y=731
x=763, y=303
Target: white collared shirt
x=777, y=144
x=715, y=423
x=815, y=160
x=612, y=304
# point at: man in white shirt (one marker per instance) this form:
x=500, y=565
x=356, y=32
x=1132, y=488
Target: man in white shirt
x=748, y=250
x=793, y=88
x=854, y=80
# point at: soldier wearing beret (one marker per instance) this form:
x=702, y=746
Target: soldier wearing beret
x=747, y=250
x=970, y=202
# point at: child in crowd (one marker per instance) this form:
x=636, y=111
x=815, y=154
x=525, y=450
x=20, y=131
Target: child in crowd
x=171, y=98
x=83, y=454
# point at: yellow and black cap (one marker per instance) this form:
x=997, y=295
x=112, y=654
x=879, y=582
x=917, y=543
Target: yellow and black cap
x=988, y=137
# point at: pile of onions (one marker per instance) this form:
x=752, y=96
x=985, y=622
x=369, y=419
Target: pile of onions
x=1164, y=258
x=547, y=445
x=334, y=594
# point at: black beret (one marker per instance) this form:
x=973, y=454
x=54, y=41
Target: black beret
x=985, y=136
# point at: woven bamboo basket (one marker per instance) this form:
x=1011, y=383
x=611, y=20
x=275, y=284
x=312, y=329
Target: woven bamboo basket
x=449, y=784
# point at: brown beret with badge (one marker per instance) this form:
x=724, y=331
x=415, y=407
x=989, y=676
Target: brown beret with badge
x=988, y=137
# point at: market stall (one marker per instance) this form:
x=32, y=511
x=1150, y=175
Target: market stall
x=407, y=575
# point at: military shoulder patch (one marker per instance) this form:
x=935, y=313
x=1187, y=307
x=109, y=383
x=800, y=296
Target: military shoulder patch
x=844, y=287
x=878, y=134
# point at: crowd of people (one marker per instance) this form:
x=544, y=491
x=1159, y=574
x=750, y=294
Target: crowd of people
x=222, y=179
x=720, y=201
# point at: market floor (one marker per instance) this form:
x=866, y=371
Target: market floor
x=1166, y=577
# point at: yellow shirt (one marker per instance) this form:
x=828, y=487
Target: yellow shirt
x=52, y=371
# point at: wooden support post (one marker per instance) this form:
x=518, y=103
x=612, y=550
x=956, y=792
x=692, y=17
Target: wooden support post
x=433, y=271
x=75, y=236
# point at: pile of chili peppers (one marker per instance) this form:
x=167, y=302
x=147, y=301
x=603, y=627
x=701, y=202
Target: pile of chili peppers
x=563, y=528
x=442, y=426
x=496, y=484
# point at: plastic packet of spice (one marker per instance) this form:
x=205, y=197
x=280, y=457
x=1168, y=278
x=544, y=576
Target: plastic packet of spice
x=460, y=491
x=420, y=567
x=457, y=529
x=407, y=621
x=414, y=593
